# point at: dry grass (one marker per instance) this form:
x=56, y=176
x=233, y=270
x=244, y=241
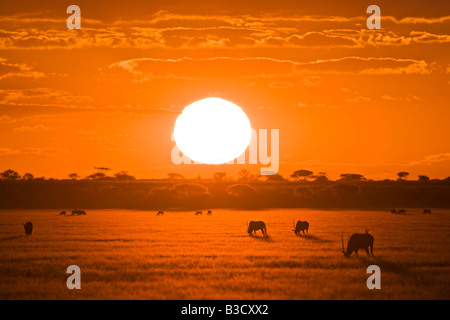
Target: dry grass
x=138, y=255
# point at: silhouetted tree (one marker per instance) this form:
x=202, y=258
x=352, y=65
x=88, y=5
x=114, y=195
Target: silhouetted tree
x=97, y=176
x=352, y=177
x=175, y=176
x=275, y=177
x=244, y=175
x=321, y=177
x=402, y=175
x=302, y=174
x=9, y=175
x=220, y=176
x=124, y=176
x=102, y=168
x=424, y=178
x=27, y=177
x=74, y=176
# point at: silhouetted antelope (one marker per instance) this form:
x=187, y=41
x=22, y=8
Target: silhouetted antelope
x=300, y=226
x=198, y=213
x=401, y=211
x=62, y=213
x=393, y=211
x=425, y=211
x=209, y=212
x=160, y=213
x=253, y=226
x=78, y=212
x=28, y=228
x=358, y=241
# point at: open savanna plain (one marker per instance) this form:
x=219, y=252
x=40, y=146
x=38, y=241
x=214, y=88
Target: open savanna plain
x=127, y=254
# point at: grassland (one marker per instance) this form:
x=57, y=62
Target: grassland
x=127, y=254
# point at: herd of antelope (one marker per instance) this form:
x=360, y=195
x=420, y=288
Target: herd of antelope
x=355, y=242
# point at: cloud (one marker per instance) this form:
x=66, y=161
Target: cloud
x=36, y=128
x=32, y=151
x=43, y=97
x=210, y=31
x=146, y=69
x=431, y=159
x=10, y=70
x=281, y=85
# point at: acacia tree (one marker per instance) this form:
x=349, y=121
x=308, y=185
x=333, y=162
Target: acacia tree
x=27, y=177
x=74, y=176
x=402, y=175
x=302, y=174
x=9, y=175
x=352, y=177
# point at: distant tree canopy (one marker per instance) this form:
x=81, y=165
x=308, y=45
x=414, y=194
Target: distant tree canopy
x=97, y=176
x=175, y=176
x=275, y=177
x=302, y=174
x=352, y=177
x=9, y=175
x=424, y=178
x=124, y=176
x=321, y=177
x=220, y=176
x=27, y=177
x=402, y=175
x=74, y=176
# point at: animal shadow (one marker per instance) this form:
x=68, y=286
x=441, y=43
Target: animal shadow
x=265, y=238
x=312, y=238
x=11, y=238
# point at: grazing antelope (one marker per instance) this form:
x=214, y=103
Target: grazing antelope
x=160, y=213
x=198, y=213
x=62, y=213
x=253, y=226
x=209, y=212
x=425, y=211
x=393, y=211
x=358, y=241
x=28, y=228
x=300, y=226
x=402, y=211
x=78, y=213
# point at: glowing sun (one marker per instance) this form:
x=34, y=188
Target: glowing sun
x=212, y=131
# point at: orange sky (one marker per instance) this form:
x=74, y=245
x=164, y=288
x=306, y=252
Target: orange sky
x=345, y=98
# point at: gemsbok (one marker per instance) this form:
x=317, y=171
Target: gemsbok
x=253, y=226
x=426, y=211
x=198, y=213
x=160, y=213
x=401, y=211
x=301, y=226
x=358, y=241
x=28, y=228
x=209, y=212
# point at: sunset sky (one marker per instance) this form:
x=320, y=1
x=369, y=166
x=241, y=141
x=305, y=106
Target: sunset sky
x=346, y=99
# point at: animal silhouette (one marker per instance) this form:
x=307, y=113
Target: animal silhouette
x=28, y=228
x=253, y=226
x=209, y=212
x=78, y=213
x=300, y=226
x=358, y=241
x=393, y=211
x=62, y=213
x=160, y=213
x=401, y=211
x=426, y=211
x=198, y=213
